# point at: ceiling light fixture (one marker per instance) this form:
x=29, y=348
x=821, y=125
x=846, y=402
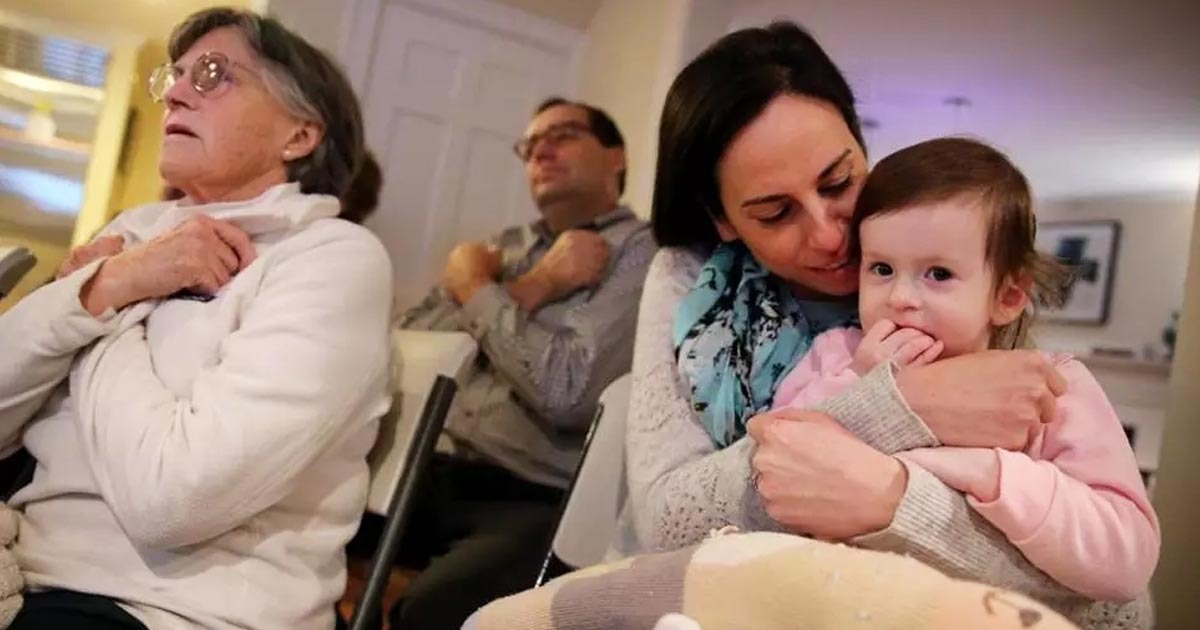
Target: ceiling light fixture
x=960, y=105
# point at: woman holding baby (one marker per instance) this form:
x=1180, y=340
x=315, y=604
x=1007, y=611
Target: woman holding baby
x=935, y=419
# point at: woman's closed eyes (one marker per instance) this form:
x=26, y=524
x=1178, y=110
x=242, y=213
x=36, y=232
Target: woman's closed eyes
x=835, y=189
x=781, y=213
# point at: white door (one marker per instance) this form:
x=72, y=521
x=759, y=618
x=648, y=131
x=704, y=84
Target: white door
x=451, y=85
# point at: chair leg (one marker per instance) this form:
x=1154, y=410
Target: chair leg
x=368, y=613
x=552, y=567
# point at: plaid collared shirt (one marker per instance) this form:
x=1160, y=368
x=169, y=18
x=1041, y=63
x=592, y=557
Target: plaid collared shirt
x=528, y=403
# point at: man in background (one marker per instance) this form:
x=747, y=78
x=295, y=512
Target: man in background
x=553, y=306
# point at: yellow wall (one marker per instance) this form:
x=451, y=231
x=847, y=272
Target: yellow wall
x=130, y=164
x=1178, y=484
x=49, y=256
x=139, y=182
x=106, y=145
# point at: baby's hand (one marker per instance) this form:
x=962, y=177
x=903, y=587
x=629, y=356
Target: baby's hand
x=907, y=347
x=974, y=471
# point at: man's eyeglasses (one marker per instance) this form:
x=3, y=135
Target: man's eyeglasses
x=554, y=134
x=208, y=73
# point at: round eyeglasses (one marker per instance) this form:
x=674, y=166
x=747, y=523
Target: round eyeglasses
x=207, y=74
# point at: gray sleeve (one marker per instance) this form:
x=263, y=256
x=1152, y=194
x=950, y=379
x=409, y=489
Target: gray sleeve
x=437, y=312
x=873, y=409
x=935, y=525
x=560, y=368
x=440, y=312
x=934, y=522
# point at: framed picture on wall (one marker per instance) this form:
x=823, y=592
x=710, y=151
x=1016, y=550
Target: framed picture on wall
x=1090, y=248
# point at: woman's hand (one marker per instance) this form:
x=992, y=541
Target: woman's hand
x=817, y=479
x=84, y=254
x=201, y=254
x=997, y=398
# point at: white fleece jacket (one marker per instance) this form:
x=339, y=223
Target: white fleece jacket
x=204, y=463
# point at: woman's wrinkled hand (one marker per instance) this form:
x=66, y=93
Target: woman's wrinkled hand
x=84, y=254
x=201, y=255
x=817, y=479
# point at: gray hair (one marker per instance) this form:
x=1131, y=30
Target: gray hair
x=306, y=82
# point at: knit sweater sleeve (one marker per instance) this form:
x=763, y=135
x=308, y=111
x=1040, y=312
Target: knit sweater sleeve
x=934, y=522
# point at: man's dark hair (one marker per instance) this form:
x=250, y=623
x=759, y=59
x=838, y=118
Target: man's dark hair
x=603, y=127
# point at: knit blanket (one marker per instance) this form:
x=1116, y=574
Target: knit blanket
x=11, y=582
x=765, y=581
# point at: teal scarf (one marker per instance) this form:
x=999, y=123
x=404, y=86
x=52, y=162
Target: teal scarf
x=737, y=334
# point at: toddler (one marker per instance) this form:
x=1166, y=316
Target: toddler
x=944, y=233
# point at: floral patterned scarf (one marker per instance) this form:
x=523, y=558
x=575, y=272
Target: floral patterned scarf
x=737, y=334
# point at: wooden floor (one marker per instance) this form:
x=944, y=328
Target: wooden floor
x=357, y=579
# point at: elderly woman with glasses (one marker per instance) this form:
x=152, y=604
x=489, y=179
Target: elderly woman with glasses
x=201, y=386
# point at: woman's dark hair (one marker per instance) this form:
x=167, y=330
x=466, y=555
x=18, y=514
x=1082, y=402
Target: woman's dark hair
x=714, y=98
x=305, y=81
x=603, y=127
x=360, y=200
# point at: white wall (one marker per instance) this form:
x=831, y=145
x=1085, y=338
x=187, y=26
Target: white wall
x=618, y=72
x=576, y=13
x=706, y=21
x=322, y=22
x=1151, y=266
x=633, y=51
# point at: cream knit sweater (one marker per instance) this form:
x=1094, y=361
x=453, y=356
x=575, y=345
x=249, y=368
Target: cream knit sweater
x=204, y=462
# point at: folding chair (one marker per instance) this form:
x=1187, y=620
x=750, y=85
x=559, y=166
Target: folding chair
x=428, y=364
x=15, y=262
x=588, y=520
x=418, y=357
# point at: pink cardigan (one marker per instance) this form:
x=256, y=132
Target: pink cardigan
x=1072, y=502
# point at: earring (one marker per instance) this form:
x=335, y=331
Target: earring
x=287, y=154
